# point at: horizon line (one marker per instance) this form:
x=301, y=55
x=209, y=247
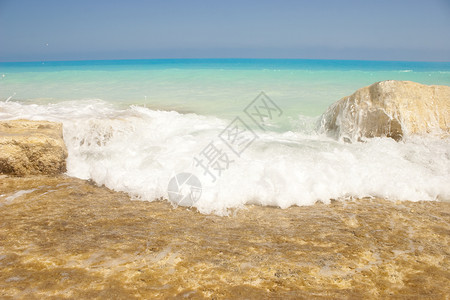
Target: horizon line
x=221, y=58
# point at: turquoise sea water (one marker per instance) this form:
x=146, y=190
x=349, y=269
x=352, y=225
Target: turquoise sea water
x=132, y=125
x=208, y=86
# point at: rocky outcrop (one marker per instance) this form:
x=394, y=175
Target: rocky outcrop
x=31, y=148
x=389, y=108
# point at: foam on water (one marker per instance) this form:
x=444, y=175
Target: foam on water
x=137, y=150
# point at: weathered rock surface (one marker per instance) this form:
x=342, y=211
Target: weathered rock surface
x=62, y=237
x=32, y=147
x=389, y=108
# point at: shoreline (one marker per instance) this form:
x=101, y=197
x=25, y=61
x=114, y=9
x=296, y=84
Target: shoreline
x=66, y=237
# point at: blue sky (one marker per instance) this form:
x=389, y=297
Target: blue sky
x=346, y=29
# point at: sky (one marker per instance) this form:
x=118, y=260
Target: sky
x=411, y=30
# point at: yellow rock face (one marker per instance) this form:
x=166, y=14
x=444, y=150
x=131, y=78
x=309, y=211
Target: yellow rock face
x=32, y=147
x=389, y=108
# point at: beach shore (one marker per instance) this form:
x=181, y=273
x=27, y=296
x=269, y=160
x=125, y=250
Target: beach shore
x=65, y=237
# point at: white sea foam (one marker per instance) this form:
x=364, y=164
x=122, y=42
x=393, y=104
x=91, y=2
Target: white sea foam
x=10, y=199
x=138, y=150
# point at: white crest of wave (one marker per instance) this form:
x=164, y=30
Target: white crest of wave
x=138, y=150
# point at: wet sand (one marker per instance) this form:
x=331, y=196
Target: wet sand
x=64, y=237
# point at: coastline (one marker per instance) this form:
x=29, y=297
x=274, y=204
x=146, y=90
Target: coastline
x=225, y=150
x=66, y=237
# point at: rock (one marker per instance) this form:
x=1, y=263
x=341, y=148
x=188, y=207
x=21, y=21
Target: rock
x=69, y=238
x=32, y=147
x=389, y=108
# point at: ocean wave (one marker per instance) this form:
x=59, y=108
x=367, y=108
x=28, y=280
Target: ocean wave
x=138, y=150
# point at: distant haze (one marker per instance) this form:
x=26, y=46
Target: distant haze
x=324, y=29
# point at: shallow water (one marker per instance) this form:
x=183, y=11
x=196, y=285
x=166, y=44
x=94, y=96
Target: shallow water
x=133, y=125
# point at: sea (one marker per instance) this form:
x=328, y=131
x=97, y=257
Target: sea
x=218, y=134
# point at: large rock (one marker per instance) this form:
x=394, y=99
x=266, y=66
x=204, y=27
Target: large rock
x=389, y=108
x=31, y=147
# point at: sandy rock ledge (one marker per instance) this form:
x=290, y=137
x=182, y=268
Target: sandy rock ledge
x=32, y=148
x=66, y=238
